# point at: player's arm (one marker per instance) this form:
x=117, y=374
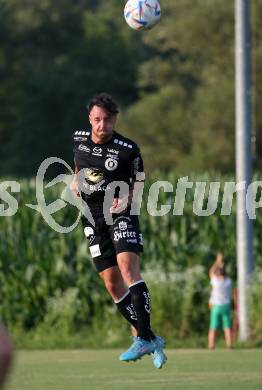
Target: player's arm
x=120, y=205
x=136, y=187
x=219, y=262
x=137, y=177
x=78, y=137
x=74, y=183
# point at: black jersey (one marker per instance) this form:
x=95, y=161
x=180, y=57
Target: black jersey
x=116, y=160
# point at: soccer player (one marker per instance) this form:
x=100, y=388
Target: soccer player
x=6, y=356
x=102, y=158
x=220, y=302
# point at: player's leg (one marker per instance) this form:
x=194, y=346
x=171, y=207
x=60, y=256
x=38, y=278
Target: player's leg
x=227, y=324
x=127, y=241
x=146, y=342
x=128, y=263
x=6, y=355
x=211, y=339
x=228, y=337
x=120, y=294
x=114, y=283
x=213, y=326
x=117, y=288
x=104, y=258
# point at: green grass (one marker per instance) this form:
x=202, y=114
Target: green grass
x=100, y=369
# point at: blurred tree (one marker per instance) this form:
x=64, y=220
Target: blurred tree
x=175, y=83
x=186, y=86
x=56, y=56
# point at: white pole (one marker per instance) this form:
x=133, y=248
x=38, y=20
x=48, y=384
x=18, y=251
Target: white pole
x=243, y=159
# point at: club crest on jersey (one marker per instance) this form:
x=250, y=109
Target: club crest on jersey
x=88, y=231
x=122, y=225
x=111, y=164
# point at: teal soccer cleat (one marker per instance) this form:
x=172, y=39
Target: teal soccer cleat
x=138, y=349
x=158, y=355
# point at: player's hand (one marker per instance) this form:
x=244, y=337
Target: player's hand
x=74, y=187
x=119, y=205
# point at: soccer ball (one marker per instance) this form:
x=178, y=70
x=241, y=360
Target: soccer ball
x=142, y=15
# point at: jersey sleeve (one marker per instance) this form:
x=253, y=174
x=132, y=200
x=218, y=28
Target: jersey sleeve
x=137, y=166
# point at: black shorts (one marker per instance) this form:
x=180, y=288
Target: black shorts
x=106, y=241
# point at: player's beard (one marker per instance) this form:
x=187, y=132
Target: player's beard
x=106, y=135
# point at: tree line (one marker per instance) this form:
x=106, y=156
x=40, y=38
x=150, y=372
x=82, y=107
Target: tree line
x=174, y=83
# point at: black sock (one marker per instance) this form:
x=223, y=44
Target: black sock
x=140, y=299
x=126, y=308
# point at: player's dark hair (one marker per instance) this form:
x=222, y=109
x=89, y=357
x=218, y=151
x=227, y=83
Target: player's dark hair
x=105, y=101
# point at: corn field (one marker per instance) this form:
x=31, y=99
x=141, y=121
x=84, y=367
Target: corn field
x=48, y=283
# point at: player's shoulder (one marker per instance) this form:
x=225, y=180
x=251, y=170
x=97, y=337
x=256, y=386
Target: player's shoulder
x=80, y=135
x=124, y=142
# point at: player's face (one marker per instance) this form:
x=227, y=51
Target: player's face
x=102, y=123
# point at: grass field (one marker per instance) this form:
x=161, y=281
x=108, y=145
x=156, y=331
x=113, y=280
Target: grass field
x=100, y=369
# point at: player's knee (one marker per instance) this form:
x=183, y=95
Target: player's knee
x=130, y=275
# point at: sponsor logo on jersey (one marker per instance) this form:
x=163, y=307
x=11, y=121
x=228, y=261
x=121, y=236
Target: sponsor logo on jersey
x=122, y=225
x=80, y=138
x=97, y=151
x=83, y=148
x=112, y=156
x=98, y=188
x=111, y=164
x=131, y=311
x=110, y=150
x=125, y=234
x=147, y=299
x=95, y=250
x=132, y=241
x=93, y=175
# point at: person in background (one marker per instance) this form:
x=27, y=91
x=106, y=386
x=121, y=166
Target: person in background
x=6, y=356
x=220, y=302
